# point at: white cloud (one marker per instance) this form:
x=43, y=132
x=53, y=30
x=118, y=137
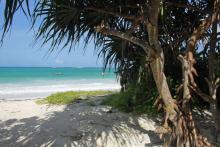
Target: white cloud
x=59, y=61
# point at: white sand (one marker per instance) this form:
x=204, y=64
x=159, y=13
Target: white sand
x=86, y=124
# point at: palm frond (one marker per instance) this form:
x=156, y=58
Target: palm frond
x=11, y=7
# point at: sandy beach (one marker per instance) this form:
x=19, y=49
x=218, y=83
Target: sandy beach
x=83, y=124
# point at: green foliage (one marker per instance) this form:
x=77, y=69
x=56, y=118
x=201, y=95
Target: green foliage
x=121, y=101
x=133, y=101
x=70, y=97
x=11, y=6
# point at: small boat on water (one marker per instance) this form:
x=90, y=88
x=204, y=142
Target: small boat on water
x=59, y=73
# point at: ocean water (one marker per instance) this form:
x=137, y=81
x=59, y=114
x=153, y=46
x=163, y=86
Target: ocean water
x=30, y=83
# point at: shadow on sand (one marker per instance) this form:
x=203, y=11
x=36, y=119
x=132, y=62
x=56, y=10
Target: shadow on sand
x=79, y=125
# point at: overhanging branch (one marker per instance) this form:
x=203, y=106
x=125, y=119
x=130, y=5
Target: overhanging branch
x=188, y=6
x=204, y=96
x=130, y=17
x=126, y=36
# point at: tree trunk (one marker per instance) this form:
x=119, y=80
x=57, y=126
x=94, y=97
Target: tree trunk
x=180, y=134
x=156, y=56
x=184, y=132
x=162, y=86
x=213, y=81
x=216, y=117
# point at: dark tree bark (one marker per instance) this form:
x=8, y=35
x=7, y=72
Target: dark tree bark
x=213, y=81
x=184, y=132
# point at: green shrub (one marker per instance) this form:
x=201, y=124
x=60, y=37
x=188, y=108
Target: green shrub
x=70, y=96
x=122, y=101
x=133, y=101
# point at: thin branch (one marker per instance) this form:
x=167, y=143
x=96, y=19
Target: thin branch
x=188, y=6
x=196, y=35
x=204, y=96
x=130, y=17
x=217, y=82
x=202, y=28
x=125, y=36
x=136, y=6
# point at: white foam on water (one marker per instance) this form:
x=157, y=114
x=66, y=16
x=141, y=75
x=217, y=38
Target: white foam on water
x=41, y=90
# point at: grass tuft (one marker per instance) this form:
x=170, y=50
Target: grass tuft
x=70, y=97
x=129, y=103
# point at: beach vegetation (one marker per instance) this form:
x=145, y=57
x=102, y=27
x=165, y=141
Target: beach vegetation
x=129, y=102
x=70, y=97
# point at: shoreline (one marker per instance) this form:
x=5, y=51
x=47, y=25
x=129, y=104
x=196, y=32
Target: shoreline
x=43, y=94
x=12, y=100
x=31, y=83
x=41, y=98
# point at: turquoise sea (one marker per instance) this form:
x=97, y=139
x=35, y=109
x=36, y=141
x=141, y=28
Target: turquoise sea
x=38, y=82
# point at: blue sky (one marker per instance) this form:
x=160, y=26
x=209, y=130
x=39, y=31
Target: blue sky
x=19, y=49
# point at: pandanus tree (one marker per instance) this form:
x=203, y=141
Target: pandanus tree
x=140, y=33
